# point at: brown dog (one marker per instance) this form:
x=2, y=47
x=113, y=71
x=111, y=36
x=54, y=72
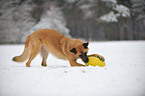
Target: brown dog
x=48, y=40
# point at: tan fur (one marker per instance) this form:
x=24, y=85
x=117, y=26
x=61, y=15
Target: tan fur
x=49, y=40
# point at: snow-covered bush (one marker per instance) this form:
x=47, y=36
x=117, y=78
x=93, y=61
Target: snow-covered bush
x=87, y=9
x=120, y=10
x=52, y=19
x=110, y=17
x=15, y=20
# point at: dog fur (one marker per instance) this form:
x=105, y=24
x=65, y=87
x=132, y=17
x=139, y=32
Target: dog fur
x=48, y=41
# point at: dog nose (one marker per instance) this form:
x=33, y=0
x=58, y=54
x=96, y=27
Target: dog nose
x=87, y=60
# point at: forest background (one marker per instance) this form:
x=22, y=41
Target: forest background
x=89, y=20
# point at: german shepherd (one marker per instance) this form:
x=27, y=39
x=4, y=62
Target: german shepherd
x=49, y=40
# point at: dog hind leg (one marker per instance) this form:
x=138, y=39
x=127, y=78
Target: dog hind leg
x=35, y=49
x=44, y=54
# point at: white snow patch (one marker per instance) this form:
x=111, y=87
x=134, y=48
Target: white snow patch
x=123, y=75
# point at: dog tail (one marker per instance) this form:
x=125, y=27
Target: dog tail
x=24, y=55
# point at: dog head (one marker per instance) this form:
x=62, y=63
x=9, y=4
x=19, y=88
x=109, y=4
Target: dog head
x=80, y=51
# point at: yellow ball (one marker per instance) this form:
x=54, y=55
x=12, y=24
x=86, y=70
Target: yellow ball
x=93, y=61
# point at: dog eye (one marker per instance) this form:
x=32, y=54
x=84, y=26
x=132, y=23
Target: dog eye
x=80, y=56
x=85, y=53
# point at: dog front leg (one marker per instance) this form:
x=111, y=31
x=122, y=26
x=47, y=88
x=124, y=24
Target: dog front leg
x=74, y=63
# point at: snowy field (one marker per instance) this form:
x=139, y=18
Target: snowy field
x=123, y=75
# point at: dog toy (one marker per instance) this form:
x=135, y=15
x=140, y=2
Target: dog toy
x=95, y=60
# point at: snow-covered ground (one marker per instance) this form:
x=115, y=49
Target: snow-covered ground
x=123, y=75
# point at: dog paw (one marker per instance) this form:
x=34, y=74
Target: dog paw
x=43, y=64
x=101, y=57
x=98, y=56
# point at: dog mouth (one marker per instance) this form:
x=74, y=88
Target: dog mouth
x=86, y=60
x=84, y=57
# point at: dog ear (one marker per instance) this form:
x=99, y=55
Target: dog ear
x=86, y=45
x=73, y=51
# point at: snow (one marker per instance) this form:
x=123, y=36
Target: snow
x=52, y=19
x=110, y=17
x=70, y=1
x=123, y=10
x=13, y=18
x=123, y=75
x=87, y=9
x=112, y=1
x=120, y=10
